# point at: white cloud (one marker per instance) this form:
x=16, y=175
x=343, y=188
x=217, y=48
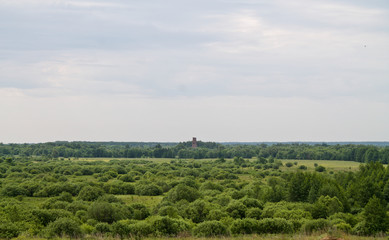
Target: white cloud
x=102, y=70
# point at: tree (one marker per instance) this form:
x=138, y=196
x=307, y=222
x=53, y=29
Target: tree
x=376, y=218
x=299, y=187
x=182, y=191
x=102, y=212
x=64, y=226
x=89, y=193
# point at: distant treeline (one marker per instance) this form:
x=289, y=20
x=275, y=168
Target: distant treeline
x=349, y=152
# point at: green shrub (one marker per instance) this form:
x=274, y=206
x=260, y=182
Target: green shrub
x=8, y=230
x=254, y=213
x=82, y=215
x=168, y=211
x=198, y=210
x=89, y=193
x=140, y=229
x=13, y=190
x=345, y=227
x=320, y=169
x=181, y=192
x=45, y=216
x=140, y=211
x=87, y=229
x=216, y=214
x=288, y=164
x=165, y=226
x=147, y=189
x=76, y=206
x=244, y=226
x=236, y=209
x=127, y=178
x=274, y=225
x=292, y=214
x=251, y=203
x=346, y=217
x=375, y=216
x=302, y=167
x=211, y=186
x=315, y=225
x=64, y=227
x=101, y=211
x=102, y=228
x=210, y=229
x=120, y=229
x=361, y=229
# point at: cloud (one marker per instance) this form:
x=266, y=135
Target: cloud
x=203, y=60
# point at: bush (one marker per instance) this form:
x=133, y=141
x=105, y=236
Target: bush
x=255, y=213
x=13, y=190
x=103, y=228
x=198, y=210
x=127, y=178
x=320, y=169
x=140, y=211
x=345, y=227
x=181, y=192
x=44, y=216
x=289, y=164
x=64, y=227
x=102, y=212
x=236, y=209
x=140, y=229
x=118, y=187
x=76, y=206
x=252, y=202
x=8, y=230
x=375, y=216
x=169, y=211
x=120, y=229
x=244, y=226
x=274, y=225
x=148, y=189
x=292, y=214
x=87, y=229
x=165, y=226
x=302, y=167
x=210, y=229
x=315, y=225
x=216, y=214
x=89, y=193
x=346, y=217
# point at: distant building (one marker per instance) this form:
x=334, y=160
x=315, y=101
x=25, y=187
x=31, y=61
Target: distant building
x=194, y=143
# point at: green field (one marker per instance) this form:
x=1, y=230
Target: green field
x=330, y=165
x=191, y=198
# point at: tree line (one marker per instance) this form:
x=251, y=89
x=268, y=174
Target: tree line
x=348, y=152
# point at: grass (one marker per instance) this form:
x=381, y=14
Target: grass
x=149, y=201
x=330, y=165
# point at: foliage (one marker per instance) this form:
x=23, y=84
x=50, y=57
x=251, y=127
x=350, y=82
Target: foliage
x=210, y=229
x=46, y=196
x=64, y=227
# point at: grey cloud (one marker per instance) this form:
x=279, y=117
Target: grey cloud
x=196, y=48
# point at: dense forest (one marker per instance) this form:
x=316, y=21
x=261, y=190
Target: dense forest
x=54, y=197
x=348, y=152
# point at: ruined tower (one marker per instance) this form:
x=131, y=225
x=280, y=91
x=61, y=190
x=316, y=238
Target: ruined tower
x=194, y=143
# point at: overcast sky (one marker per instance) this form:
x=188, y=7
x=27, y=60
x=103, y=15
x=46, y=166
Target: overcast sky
x=220, y=70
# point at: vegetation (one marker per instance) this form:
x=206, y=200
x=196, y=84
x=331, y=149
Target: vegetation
x=49, y=197
x=347, y=152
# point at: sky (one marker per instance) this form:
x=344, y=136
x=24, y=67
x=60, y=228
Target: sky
x=218, y=70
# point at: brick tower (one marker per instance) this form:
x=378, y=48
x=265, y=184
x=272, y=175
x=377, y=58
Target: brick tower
x=194, y=143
